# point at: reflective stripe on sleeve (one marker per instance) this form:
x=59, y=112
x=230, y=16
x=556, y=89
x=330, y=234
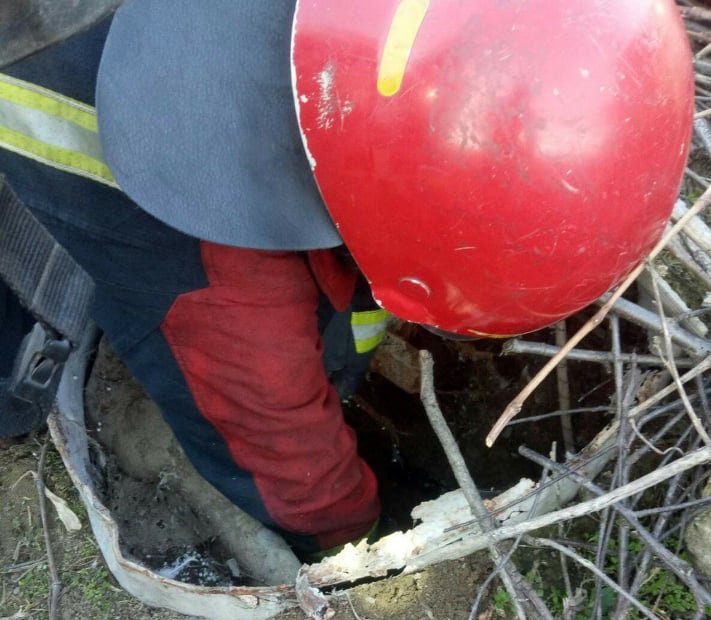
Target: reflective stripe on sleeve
x=368, y=329
x=52, y=129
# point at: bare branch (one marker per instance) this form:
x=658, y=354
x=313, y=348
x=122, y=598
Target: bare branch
x=55, y=586
x=566, y=422
x=679, y=567
x=673, y=369
x=516, y=585
x=544, y=542
x=583, y=355
x=515, y=406
x=693, y=459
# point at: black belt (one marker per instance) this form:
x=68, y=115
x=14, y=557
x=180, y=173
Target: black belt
x=58, y=293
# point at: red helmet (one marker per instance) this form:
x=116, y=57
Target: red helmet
x=494, y=166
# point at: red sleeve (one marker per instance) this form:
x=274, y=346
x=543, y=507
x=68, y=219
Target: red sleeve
x=249, y=347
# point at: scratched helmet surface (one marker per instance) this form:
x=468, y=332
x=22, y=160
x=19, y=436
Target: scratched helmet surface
x=494, y=166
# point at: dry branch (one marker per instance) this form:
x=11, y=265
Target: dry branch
x=669, y=300
x=695, y=229
x=544, y=542
x=478, y=541
x=673, y=369
x=55, y=586
x=696, y=371
x=515, y=406
x=696, y=13
x=679, y=567
x=695, y=346
x=563, y=384
x=692, y=258
x=518, y=588
x=515, y=345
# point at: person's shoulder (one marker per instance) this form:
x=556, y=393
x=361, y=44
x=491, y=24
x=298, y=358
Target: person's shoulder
x=198, y=124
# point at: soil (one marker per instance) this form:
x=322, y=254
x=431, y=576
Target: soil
x=159, y=526
x=88, y=591
x=443, y=592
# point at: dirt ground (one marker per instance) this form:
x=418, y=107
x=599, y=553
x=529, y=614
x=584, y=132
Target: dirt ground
x=88, y=591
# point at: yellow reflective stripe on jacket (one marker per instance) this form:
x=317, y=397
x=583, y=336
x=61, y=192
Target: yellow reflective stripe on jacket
x=52, y=129
x=368, y=329
x=45, y=100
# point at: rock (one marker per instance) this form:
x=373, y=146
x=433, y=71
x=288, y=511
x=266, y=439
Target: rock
x=397, y=360
x=698, y=537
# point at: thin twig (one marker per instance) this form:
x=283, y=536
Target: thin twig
x=696, y=12
x=673, y=369
x=691, y=257
x=703, y=399
x=515, y=406
x=446, y=438
x=584, y=355
x=350, y=602
x=693, y=344
x=676, y=565
x=603, y=539
x=492, y=575
x=697, y=370
x=697, y=177
x=55, y=586
x=515, y=584
x=693, y=459
x=622, y=400
x=555, y=414
x=545, y=542
x=697, y=503
x=649, y=444
x=569, y=614
x=642, y=451
x=646, y=559
x=553, y=482
x=563, y=383
x=497, y=569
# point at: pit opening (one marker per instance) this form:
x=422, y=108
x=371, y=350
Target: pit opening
x=143, y=471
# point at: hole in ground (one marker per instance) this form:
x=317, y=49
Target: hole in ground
x=161, y=529
x=473, y=383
